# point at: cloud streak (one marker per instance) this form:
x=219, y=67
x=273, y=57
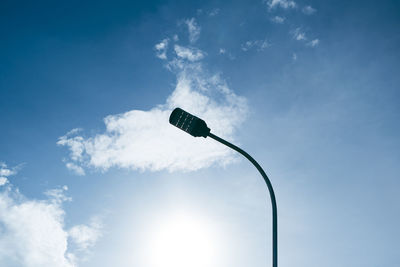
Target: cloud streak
x=308, y=10
x=191, y=54
x=194, y=30
x=260, y=45
x=214, y=12
x=313, y=43
x=278, y=19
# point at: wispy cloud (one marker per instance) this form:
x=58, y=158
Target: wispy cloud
x=76, y=149
x=3, y=180
x=58, y=195
x=194, y=30
x=75, y=168
x=145, y=140
x=161, y=49
x=86, y=236
x=280, y=3
x=6, y=171
x=223, y=51
x=313, y=43
x=33, y=231
x=308, y=10
x=278, y=19
x=298, y=34
x=260, y=45
x=214, y=12
x=191, y=54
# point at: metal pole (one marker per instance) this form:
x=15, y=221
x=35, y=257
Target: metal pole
x=271, y=193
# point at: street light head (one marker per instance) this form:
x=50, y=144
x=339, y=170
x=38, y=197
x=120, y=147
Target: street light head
x=189, y=123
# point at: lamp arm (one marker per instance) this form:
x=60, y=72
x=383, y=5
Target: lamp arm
x=271, y=193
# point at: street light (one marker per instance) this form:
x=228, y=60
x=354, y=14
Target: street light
x=198, y=127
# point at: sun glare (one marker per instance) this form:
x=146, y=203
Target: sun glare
x=183, y=241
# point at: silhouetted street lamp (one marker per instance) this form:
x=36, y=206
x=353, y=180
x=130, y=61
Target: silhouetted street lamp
x=197, y=127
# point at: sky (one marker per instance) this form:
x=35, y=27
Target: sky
x=92, y=174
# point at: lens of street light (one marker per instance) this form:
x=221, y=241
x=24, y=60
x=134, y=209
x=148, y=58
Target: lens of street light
x=189, y=123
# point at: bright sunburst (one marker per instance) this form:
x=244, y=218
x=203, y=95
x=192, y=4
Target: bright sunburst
x=182, y=241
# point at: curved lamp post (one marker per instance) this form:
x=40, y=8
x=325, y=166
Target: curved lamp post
x=197, y=127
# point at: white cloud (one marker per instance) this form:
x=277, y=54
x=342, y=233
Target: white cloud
x=76, y=149
x=58, y=195
x=294, y=56
x=161, y=49
x=194, y=30
x=78, y=170
x=191, y=54
x=3, y=181
x=145, y=140
x=75, y=143
x=308, y=10
x=298, y=34
x=86, y=236
x=260, y=45
x=278, y=19
x=32, y=232
x=5, y=171
x=280, y=3
x=313, y=43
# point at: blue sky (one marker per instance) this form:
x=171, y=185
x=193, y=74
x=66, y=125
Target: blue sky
x=91, y=173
